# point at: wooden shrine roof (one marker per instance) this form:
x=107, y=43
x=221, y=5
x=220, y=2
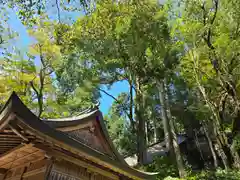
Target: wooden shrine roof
x=87, y=126
x=18, y=125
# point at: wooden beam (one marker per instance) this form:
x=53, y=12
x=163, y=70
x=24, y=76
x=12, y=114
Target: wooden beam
x=34, y=172
x=9, y=144
x=63, y=156
x=7, y=131
x=8, y=116
x=10, y=141
x=11, y=150
x=4, y=147
x=8, y=135
x=23, y=157
x=16, y=131
x=76, y=127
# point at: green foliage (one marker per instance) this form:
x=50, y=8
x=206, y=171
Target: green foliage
x=236, y=142
x=211, y=175
x=193, y=45
x=117, y=43
x=119, y=128
x=15, y=76
x=164, y=166
x=218, y=175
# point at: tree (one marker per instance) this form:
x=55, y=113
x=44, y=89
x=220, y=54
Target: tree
x=116, y=43
x=119, y=127
x=208, y=37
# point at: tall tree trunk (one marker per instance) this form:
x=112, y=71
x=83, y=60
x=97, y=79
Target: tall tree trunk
x=223, y=140
x=198, y=146
x=210, y=144
x=169, y=130
x=222, y=154
x=218, y=146
x=155, y=134
x=131, y=104
x=141, y=133
x=146, y=132
x=179, y=159
x=166, y=126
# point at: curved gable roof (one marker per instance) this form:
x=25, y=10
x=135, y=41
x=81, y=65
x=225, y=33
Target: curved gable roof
x=78, y=124
x=15, y=108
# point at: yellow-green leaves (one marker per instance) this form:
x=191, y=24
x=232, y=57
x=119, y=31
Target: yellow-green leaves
x=148, y=52
x=195, y=66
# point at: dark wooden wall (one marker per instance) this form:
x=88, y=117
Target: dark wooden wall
x=63, y=170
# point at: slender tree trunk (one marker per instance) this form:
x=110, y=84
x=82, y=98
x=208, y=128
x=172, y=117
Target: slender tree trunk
x=146, y=132
x=155, y=134
x=210, y=144
x=198, y=145
x=180, y=163
x=141, y=133
x=231, y=148
x=222, y=154
x=169, y=130
x=218, y=145
x=131, y=104
x=166, y=126
x=217, y=126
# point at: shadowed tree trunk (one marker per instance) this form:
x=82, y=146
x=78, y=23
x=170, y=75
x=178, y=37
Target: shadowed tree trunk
x=210, y=144
x=169, y=129
x=141, y=131
x=166, y=127
x=180, y=164
x=155, y=134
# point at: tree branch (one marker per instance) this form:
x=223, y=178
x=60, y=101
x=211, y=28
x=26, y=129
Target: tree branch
x=33, y=87
x=215, y=12
x=204, y=13
x=41, y=55
x=207, y=35
x=116, y=100
x=58, y=12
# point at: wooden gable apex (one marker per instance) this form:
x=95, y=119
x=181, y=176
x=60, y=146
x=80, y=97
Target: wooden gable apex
x=89, y=129
x=18, y=123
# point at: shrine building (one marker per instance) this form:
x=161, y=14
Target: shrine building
x=76, y=148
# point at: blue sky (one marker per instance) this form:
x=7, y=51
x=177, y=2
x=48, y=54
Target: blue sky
x=23, y=41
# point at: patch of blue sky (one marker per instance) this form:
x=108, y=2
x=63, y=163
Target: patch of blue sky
x=117, y=88
x=23, y=41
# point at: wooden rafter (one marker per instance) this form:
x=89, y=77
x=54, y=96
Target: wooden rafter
x=17, y=131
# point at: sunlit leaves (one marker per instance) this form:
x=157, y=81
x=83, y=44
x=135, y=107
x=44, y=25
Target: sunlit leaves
x=15, y=76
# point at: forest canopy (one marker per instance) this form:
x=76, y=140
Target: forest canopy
x=179, y=61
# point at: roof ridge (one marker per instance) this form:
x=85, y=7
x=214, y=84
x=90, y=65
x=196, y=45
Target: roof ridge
x=87, y=112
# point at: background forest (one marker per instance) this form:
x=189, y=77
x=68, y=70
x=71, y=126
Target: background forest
x=179, y=61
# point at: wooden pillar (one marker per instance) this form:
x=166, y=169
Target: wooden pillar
x=49, y=166
x=92, y=176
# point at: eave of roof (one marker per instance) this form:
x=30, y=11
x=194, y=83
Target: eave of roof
x=71, y=121
x=15, y=106
x=64, y=124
